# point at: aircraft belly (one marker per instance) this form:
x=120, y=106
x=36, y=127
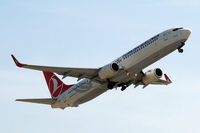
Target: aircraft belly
x=80, y=94
x=93, y=92
x=91, y=95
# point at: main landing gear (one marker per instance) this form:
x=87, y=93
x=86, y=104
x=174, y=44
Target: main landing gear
x=123, y=86
x=180, y=50
x=111, y=85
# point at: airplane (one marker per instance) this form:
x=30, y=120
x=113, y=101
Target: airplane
x=122, y=72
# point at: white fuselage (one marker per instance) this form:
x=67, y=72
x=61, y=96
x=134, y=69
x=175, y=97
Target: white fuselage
x=134, y=61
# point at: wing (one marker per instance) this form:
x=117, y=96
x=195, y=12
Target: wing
x=40, y=101
x=138, y=80
x=79, y=73
x=161, y=82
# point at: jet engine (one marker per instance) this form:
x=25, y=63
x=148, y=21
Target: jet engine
x=152, y=76
x=108, y=71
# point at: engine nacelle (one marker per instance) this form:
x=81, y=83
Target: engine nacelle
x=152, y=76
x=108, y=71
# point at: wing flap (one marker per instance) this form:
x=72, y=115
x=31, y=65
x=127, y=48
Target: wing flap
x=161, y=82
x=48, y=101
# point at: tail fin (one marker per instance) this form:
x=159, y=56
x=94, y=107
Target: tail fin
x=55, y=85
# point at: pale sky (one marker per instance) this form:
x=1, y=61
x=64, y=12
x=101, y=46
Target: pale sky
x=90, y=34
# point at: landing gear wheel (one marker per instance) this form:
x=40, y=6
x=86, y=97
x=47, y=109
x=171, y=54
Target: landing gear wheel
x=110, y=86
x=180, y=50
x=123, y=88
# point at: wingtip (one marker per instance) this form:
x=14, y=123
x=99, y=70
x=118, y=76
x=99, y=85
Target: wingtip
x=167, y=78
x=16, y=61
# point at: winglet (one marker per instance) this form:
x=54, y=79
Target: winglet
x=167, y=78
x=17, y=62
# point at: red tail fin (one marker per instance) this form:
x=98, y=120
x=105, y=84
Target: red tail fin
x=55, y=85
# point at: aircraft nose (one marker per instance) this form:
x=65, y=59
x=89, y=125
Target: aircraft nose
x=187, y=33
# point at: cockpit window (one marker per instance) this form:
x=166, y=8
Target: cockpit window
x=175, y=29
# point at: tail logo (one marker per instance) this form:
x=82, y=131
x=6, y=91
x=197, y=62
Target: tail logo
x=55, y=87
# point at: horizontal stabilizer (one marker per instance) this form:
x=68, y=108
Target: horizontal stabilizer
x=40, y=101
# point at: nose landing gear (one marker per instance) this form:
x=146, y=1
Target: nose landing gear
x=180, y=50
